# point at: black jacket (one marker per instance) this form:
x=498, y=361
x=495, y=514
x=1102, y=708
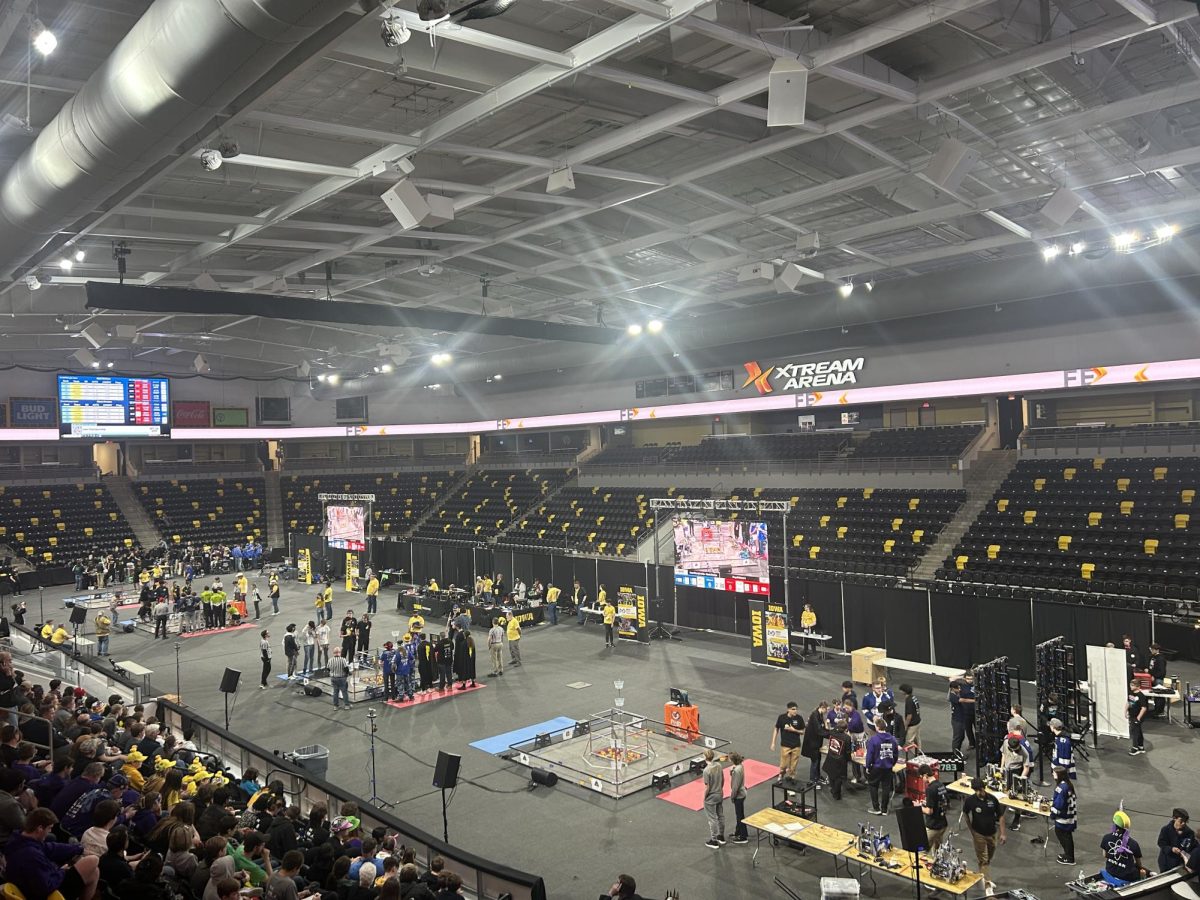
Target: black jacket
x=281, y=837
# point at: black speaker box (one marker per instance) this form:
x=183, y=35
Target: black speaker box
x=78, y=615
x=128, y=628
x=912, y=829
x=312, y=690
x=541, y=776
x=445, y=775
x=229, y=681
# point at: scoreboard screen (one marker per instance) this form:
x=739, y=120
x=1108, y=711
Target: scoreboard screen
x=104, y=406
x=722, y=555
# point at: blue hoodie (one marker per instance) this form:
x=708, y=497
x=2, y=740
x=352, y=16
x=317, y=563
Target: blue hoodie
x=35, y=866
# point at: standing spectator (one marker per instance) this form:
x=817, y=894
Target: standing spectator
x=912, y=716
x=1015, y=761
x=1133, y=660
x=39, y=867
x=984, y=815
x=514, y=640
x=273, y=585
x=552, y=594
x=161, y=611
x=424, y=664
x=495, y=643
x=323, y=644
x=1176, y=841
x=1062, y=815
x=406, y=663
x=264, y=648
x=364, y=633
x=958, y=716
x=103, y=631
x=339, y=674
x=372, y=592
x=814, y=736
x=291, y=649
x=967, y=699
x=837, y=757
x=387, y=664
x=348, y=631
x=1064, y=750
x=789, y=729
x=310, y=647
x=443, y=653
x=609, y=614
x=934, y=808
x=1136, y=709
x=464, y=658
x=737, y=793
x=883, y=752
x=714, y=806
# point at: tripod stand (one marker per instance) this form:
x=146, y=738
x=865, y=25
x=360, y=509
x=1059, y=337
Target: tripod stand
x=661, y=632
x=375, y=799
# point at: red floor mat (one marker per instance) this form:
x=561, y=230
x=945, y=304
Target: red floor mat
x=211, y=631
x=436, y=695
x=691, y=795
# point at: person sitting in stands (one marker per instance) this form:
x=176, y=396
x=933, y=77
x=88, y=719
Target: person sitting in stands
x=39, y=867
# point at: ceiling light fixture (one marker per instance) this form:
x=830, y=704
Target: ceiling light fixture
x=633, y=329
x=333, y=378
x=108, y=365
x=1165, y=232
x=846, y=289
x=210, y=160
x=43, y=38
x=654, y=326
x=386, y=368
x=1125, y=240
x=66, y=264
x=393, y=32
x=322, y=377
x=497, y=377
x=31, y=282
x=80, y=256
x=870, y=286
x=1077, y=248
x=1049, y=253
x=440, y=359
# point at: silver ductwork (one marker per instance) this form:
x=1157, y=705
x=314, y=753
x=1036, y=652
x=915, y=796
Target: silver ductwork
x=180, y=65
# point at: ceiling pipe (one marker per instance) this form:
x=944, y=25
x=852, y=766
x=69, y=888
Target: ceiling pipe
x=182, y=63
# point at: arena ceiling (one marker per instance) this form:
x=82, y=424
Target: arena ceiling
x=660, y=110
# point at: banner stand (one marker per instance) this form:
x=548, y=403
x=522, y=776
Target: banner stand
x=769, y=638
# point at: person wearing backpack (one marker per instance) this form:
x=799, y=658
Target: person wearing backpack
x=291, y=649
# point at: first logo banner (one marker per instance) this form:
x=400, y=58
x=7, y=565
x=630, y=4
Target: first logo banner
x=33, y=412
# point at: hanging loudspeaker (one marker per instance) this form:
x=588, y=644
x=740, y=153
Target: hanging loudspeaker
x=445, y=775
x=78, y=615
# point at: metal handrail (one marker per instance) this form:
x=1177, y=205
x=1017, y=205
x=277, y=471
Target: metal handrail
x=838, y=466
x=1097, y=438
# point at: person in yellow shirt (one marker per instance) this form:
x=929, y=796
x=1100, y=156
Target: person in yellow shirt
x=372, y=593
x=808, y=623
x=552, y=603
x=47, y=630
x=487, y=587
x=433, y=586
x=610, y=615
x=328, y=595
x=416, y=623
x=60, y=636
x=514, y=640
x=131, y=769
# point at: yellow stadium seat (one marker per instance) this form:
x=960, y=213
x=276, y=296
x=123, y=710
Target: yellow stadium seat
x=841, y=502
x=888, y=545
x=917, y=535
x=1069, y=474
x=1039, y=484
x=1064, y=542
x=1086, y=570
x=53, y=542
x=867, y=492
x=1098, y=463
x=1094, y=518
x=993, y=551
x=960, y=562
x=88, y=531
x=1160, y=473
x=34, y=520
x=841, y=532
x=896, y=523
x=1187, y=495
x=1150, y=546
x=1126, y=507
x=914, y=502
x=1002, y=504
x=1182, y=520
x=824, y=521
x=813, y=551
x=1122, y=484
x=797, y=540
x=1030, y=515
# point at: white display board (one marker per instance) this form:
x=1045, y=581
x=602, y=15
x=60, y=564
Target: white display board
x=1108, y=683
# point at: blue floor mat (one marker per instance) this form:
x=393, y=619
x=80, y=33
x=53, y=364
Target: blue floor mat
x=501, y=742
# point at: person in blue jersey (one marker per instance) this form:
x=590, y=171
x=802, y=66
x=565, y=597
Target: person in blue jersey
x=1063, y=806
x=1064, y=750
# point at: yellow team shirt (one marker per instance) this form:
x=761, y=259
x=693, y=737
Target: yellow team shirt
x=327, y=596
x=487, y=585
x=552, y=594
x=513, y=629
x=372, y=587
x=610, y=613
x=60, y=636
x=137, y=780
x=433, y=585
x=602, y=599
x=415, y=623
x=808, y=619
x=47, y=630
x=320, y=602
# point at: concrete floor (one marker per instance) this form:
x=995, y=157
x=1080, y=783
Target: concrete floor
x=578, y=841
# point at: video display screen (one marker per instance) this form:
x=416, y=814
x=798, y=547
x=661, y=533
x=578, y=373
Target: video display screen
x=723, y=555
x=100, y=406
x=346, y=527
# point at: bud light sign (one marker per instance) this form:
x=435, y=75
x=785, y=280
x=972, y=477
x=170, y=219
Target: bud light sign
x=33, y=412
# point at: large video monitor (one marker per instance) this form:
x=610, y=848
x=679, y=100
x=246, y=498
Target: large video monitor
x=106, y=406
x=346, y=527
x=723, y=555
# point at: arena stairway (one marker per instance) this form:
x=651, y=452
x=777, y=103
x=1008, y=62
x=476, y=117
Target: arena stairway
x=981, y=482
x=276, y=536
x=135, y=514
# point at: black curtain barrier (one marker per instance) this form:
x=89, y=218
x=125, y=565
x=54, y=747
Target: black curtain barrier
x=865, y=623
x=906, y=624
x=1181, y=640
x=1004, y=629
x=955, y=621
x=1051, y=620
x=522, y=567
x=826, y=600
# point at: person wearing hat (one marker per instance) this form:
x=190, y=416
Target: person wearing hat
x=1176, y=840
x=883, y=752
x=1062, y=815
x=984, y=815
x=132, y=769
x=1015, y=761
x=387, y=664
x=1122, y=854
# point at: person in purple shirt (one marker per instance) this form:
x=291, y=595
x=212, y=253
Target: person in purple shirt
x=857, y=731
x=883, y=752
x=48, y=786
x=87, y=780
x=40, y=867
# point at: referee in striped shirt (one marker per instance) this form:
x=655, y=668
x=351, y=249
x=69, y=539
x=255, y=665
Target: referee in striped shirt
x=339, y=673
x=264, y=647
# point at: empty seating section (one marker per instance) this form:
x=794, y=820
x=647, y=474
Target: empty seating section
x=865, y=530
x=632, y=456
x=761, y=448
x=401, y=498
x=1119, y=525
x=603, y=520
x=941, y=440
x=488, y=502
x=206, y=510
x=1089, y=438
x=52, y=525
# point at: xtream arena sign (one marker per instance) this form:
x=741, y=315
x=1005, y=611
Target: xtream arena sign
x=827, y=373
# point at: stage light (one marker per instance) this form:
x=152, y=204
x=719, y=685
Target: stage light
x=846, y=289
x=497, y=377
x=1124, y=240
x=210, y=160
x=108, y=365
x=1165, y=232
x=1049, y=253
x=44, y=40
x=80, y=256
x=304, y=368
x=65, y=264
x=440, y=359
x=633, y=329
x=32, y=282
x=333, y=378
x=870, y=286
x=654, y=326
x=386, y=367
x=322, y=377
x=1077, y=248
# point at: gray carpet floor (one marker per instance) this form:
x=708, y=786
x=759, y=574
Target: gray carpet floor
x=579, y=841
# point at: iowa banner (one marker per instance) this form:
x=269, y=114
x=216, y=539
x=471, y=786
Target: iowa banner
x=631, y=614
x=769, y=634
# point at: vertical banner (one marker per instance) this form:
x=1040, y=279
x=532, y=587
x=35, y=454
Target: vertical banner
x=351, y=570
x=304, y=565
x=631, y=614
x=769, y=634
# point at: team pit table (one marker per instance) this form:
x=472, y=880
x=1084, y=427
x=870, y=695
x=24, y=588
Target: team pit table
x=800, y=637
x=963, y=787
x=776, y=825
